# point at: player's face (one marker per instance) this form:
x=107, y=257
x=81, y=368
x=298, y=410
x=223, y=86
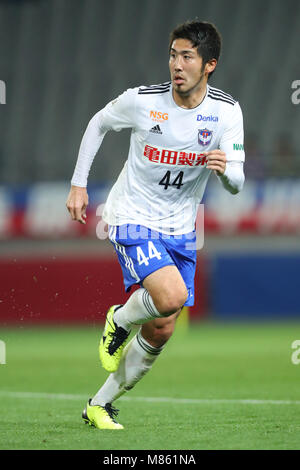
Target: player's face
x=186, y=67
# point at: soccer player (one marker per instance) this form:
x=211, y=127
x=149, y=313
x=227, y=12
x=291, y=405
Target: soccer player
x=182, y=131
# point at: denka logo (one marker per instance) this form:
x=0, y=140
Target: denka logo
x=238, y=147
x=158, y=116
x=211, y=118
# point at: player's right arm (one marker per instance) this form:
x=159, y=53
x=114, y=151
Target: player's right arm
x=117, y=115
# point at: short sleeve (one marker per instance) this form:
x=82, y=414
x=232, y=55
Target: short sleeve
x=232, y=140
x=119, y=113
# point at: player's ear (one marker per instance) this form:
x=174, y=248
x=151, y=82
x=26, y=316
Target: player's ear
x=210, y=65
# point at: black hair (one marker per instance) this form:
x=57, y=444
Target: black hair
x=202, y=35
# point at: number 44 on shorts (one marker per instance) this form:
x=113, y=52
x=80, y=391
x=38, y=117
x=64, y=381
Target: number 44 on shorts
x=152, y=253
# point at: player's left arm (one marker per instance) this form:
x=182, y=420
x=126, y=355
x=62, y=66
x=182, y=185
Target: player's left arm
x=228, y=161
x=230, y=173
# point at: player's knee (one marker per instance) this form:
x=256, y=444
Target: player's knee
x=171, y=303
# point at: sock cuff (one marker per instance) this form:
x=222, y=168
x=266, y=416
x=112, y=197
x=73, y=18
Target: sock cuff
x=149, y=304
x=146, y=346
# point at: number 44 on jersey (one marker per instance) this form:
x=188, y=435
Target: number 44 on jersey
x=152, y=253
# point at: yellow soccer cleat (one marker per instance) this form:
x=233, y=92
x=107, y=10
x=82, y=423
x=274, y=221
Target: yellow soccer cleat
x=112, y=342
x=101, y=417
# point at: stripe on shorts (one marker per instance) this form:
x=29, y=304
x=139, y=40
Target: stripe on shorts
x=121, y=249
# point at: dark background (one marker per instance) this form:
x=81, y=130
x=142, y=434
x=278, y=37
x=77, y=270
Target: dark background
x=63, y=60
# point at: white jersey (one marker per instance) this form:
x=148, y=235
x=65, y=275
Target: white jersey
x=164, y=177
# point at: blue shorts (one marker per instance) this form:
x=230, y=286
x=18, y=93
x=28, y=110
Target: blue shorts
x=141, y=251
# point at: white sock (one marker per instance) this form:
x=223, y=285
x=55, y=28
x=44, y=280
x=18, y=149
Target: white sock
x=137, y=359
x=138, y=309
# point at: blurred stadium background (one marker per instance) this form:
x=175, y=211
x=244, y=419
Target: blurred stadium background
x=62, y=61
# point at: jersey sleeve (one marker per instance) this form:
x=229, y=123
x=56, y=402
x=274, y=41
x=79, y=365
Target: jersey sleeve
x=233, y=178
x=232, y=140
x=120, y=112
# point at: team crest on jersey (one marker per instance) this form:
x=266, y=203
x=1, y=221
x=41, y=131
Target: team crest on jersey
x=204, y=136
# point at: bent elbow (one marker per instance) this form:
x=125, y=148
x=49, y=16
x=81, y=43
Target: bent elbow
x=237, y=188
x=235, y=191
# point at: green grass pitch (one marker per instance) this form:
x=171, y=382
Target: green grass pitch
x=195, y=397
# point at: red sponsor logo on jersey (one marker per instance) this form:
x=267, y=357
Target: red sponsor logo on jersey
x=158, y=116
x=174, y=157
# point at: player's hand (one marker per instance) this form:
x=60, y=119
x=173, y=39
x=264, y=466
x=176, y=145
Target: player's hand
x=77, y=203
x=216, y=160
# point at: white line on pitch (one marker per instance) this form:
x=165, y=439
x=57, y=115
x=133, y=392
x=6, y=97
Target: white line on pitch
x=188, y=401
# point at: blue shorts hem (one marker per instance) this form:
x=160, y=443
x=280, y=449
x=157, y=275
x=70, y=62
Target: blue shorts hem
x=128, y=285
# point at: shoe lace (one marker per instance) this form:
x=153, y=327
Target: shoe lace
x=111, y=411
x=118, y=338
